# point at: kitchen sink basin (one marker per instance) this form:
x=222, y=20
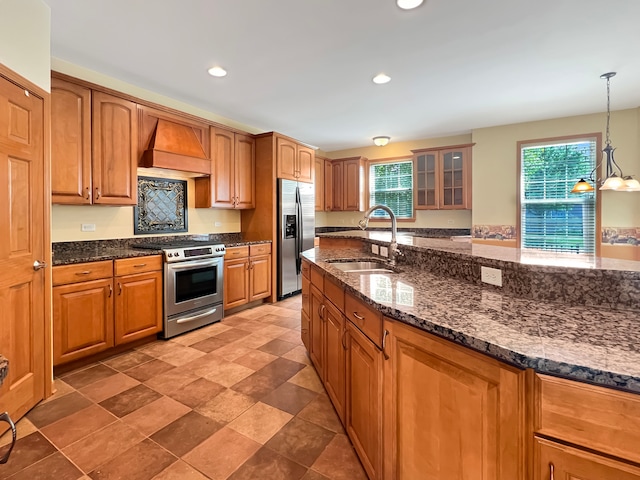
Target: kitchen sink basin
x=362, y=267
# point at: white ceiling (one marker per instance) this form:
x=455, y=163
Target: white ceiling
x=304, y=67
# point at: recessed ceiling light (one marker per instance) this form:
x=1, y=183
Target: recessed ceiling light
x=217, y=72
x=381, y=141
x=409, y=4
x=381, y=78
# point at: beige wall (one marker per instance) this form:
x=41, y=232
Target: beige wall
x=25, y=27
x=495, y=163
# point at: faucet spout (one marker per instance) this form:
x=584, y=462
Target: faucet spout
x=393, y=247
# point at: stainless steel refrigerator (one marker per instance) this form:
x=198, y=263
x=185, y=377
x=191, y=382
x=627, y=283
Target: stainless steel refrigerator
x=296, y=230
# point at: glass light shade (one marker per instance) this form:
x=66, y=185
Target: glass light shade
x=381, y=141
x=217, y=71
x=381, y=79
x=630, y=185
x=409, y=4
x=582, y=186
x=614, y=182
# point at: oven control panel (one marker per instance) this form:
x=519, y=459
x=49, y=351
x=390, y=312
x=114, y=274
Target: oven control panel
x=192, y=253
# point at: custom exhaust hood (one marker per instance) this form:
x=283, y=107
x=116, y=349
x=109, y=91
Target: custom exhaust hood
x=173, y=145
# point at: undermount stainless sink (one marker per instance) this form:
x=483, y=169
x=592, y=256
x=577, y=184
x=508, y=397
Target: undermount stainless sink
x=362, y=267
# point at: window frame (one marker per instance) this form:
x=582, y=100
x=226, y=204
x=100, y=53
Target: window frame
x=401, y=159
x=597, y=174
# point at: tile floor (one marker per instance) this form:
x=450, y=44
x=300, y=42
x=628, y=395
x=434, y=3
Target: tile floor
x=235, y=400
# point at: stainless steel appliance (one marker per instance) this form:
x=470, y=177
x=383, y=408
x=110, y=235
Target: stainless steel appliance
x=193, y=285
x=296, y=230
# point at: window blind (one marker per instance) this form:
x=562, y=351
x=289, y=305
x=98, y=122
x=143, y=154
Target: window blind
x=552, y=218
x=391, y=184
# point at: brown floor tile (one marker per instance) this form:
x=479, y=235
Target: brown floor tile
x=130, y=400
x=197, y=392
x=235, y=448
x=255, y=340
x=27, y=451
x=298, y=354
x=232, y=335
x=78, y=425
x=128, y=360
x=171, y=380
x=60, y=388
x=282, y=369
x=160, y=347
x=266, y=464
x=141, y=462
x=231, y=351
x=289, y=398
x=321, y=412
x=182, y=435
x=24, y=427
x=188, y=339
x=216, y=328
x=149, y=370
x=260, y=422
x=289, y=323
x=102, y=446
x=308, y=378
x=155, y=415
x=257, y=385
x=55, y=466
x=273, y=331
x=179, y=471
x=340, y=452
x=224, y=372
x=182, y=356
x=255, y=359
x=292, y=336
x=277, y=347
x=108, y=387
x=53, y=411
x=234, y=320
x=301, y=441
x=311, y=475
x=89, y=375
x=226, y=406
x=209, y=344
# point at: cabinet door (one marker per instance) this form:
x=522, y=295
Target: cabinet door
x=236, y=282
x=328, y=186
x=334, y=360
x=245, y=168
x=559, y=462
x=70, y=143
x=222, y=168
x=114, y=137
x=304, y=329
x=82, y=319
x=316, y=337
x=286, y=159
x=427, y=180
x=337, y=186
x=353, y=184
x=319, y=183
x=455, y=179
x=364, y=402
x=260, y=277
x=138, y=306
x=450, y=412
x=305, y=164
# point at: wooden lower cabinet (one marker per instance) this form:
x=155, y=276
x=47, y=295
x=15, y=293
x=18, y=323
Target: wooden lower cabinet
x=554, y=461
x=259, y=277
x=138, y=306
x=247, y=274
x=236, y=282
x=316, y=330
x=450, y=413
x=364, y=400
x=334, y=357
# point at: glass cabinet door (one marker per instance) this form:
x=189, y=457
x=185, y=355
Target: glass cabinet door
x=427, y=180
x=453, y=178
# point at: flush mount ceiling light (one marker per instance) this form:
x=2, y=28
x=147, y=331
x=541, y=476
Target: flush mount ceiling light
x=381, y=78
x=381, y=141
x=217, y=71
x=409, y=4
x=614, y=178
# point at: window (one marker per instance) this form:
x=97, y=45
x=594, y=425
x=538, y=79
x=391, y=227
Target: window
x=391, y=184
x=552, y=218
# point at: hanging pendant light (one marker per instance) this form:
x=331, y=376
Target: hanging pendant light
x=614, y=178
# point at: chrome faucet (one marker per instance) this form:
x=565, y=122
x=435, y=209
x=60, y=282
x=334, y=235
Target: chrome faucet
x=393, y=246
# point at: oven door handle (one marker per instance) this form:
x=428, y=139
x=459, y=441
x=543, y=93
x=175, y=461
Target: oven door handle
x=190, y=265
x=196, y=317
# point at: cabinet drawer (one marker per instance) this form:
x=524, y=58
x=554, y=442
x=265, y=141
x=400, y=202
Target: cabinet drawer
x=317, y=277
x=261, y=249
x=128, y=266
x=334, y=292
x=306, y=269
x=596, y=417
x=81, y=272
x=236, y=252
x=368, y=320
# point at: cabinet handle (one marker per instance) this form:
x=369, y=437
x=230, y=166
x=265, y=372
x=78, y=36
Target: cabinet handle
x=87, y=194
x=551, y=471
x=321, y=311
x=86, y=272
x=140, y=265
x=97, y=193
x=119, y=288
x=344, y=338
x=384, y=344
x=4, y=417
x=355, y=314
x=38, y=265
x=110, y=290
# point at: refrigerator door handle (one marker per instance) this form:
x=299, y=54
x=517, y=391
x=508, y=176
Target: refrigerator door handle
x=299, y=231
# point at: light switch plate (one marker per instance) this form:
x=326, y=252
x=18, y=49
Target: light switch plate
x=375, y=249
x=492, y=276
x=384, y=251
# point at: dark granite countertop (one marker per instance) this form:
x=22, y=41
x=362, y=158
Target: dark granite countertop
x=593, y=344
x=4, y=368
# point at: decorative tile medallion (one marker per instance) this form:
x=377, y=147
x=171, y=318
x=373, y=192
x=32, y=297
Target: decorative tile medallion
x=162, y=206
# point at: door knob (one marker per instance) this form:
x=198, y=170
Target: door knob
x=38, y=265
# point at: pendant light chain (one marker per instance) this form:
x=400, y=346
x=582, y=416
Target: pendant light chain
x=608, y=109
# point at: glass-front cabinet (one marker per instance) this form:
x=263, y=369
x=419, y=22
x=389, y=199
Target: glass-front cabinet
x=443, y=178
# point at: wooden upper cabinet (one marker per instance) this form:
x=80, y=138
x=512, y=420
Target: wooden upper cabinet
x=328, y=185
x=294, y=161
x=336, y=183
x=115, y=148
x=232, y=180
x=443, y=178
x=345, y=184
x=319, y=183
x=70, y=143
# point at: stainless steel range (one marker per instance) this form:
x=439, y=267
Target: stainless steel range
x=193, y=283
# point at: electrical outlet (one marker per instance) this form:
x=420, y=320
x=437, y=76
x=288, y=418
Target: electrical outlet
x=451, y=221
x=218, y=224
x=374, y=249
x=384, y=251
x=88, y=227
x=492, y=276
